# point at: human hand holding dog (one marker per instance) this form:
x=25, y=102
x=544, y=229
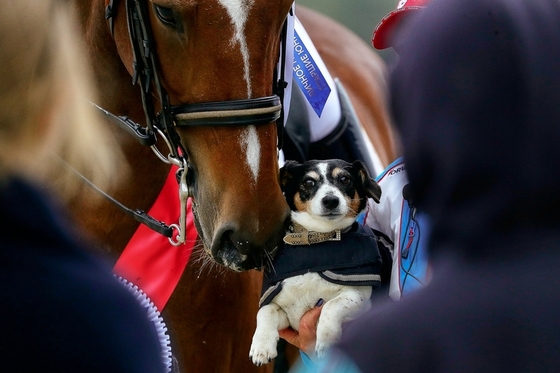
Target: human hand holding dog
x=305, y=338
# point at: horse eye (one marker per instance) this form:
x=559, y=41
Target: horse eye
x=165, y=15
x=309, y=183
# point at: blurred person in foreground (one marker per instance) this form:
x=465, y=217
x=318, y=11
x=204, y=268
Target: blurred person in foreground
x=62, y=310
x=476, y=98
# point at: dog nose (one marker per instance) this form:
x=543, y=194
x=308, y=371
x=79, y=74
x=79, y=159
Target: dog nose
x=330, y=202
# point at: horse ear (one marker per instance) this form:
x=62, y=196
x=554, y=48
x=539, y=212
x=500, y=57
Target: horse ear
x=372, y=189
x=287, y=173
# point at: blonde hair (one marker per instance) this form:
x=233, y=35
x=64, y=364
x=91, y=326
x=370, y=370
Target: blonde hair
x=45, y=115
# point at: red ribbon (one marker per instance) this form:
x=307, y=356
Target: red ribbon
x=149, y=260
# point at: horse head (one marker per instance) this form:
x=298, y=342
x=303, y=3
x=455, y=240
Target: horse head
x=216, y=59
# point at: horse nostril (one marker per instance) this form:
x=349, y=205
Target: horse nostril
x=243, y=246
x=330, y=202
x=225, y=250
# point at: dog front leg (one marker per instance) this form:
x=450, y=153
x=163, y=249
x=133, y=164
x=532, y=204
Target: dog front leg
x=329, y=327
x=270, y=319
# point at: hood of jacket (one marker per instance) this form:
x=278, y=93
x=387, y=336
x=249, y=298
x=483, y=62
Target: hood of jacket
x=475, y=95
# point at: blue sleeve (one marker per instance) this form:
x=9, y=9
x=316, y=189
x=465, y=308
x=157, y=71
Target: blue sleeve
x=333, y=362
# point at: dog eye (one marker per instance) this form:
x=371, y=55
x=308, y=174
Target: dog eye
x=309, y=183
x=165, y=15
x=344, y=180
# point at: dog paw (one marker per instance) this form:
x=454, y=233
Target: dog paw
x=321, y=348
x=262, y=353
x=326, y=337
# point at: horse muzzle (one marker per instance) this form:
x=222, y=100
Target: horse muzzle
x=239, y=248
x=233, y=248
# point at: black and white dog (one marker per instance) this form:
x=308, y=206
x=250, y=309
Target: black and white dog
x=326, y=254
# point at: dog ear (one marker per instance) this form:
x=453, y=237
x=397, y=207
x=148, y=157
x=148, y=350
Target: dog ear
x=372, y=189
x=287, y=173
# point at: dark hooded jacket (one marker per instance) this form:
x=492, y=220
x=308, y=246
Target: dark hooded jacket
x=61, y=308
x=476, y=98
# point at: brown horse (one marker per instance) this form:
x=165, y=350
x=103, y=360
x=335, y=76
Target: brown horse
x=211, y=57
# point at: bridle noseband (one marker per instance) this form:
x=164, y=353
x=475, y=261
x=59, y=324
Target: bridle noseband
x=245, y=112
x=229, y=113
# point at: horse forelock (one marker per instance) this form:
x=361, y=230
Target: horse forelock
x=238, y=10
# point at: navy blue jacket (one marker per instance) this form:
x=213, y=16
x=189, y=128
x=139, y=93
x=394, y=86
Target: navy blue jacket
x=61, y=309
x=355, y=260
x=476, y=98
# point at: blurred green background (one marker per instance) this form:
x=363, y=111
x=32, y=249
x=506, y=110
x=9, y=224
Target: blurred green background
x=361, y=16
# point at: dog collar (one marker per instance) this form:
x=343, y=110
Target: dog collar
x=300, y=236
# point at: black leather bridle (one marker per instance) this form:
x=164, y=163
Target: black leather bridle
x=253, y=111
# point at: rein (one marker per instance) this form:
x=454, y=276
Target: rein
x=245, y=112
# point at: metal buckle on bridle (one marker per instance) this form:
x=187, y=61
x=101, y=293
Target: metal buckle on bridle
x=184, y=194
x=184, y=190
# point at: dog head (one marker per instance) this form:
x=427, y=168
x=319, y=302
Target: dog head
x=325, y=195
